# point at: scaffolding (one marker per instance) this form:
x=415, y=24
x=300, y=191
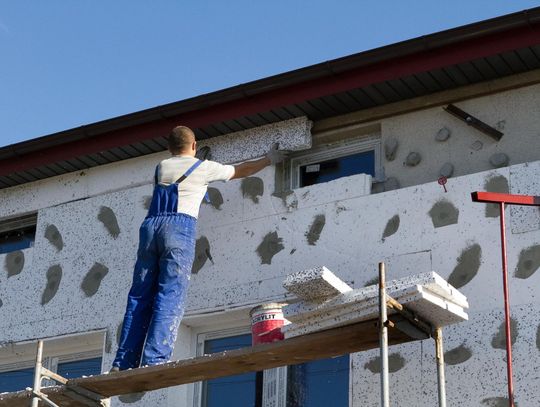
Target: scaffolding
x=395, y=325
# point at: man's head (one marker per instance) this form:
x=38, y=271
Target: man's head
x=182, y=141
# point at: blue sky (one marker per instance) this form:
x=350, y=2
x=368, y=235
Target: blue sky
x=66, y=63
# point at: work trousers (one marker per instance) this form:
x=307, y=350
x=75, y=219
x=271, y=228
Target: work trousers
x=157, y=297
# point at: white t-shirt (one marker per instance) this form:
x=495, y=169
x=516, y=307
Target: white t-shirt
x=191, y=190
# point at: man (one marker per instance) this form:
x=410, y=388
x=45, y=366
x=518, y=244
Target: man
x=167, y=248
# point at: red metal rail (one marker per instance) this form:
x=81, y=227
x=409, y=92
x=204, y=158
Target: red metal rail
x=502, y=200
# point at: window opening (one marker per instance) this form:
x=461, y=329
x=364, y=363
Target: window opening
x=17, y=233
x=319, y=383
x=70, y=356
x=244, y=390
x=333, y=161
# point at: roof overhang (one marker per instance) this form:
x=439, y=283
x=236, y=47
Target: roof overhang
x=461, y=56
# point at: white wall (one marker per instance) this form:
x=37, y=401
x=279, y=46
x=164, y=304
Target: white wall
x=349, y=241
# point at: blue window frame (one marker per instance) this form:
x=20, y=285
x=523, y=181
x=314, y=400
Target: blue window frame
x=244, y=390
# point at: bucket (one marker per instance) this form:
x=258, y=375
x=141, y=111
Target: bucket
x=266, y=323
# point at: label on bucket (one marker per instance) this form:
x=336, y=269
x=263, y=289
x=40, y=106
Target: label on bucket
x=266, y=323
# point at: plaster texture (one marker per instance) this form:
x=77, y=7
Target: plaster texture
x=467, y=149
x=430, y=281
x=427, y=305
x=236, y=277
x=315, y=284
x=293, y=134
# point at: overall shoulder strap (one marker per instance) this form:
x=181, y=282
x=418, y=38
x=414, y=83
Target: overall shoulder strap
x=156, y=172
x=188, y=172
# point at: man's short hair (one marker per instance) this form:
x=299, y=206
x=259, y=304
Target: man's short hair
x=180, y=138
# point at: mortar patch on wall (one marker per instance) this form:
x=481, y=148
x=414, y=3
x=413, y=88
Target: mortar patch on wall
x=443, y=134
x=108, y=218
x=202, y=253
x=529, y=261
x=216, y=199
x=498, y=341
x=457, y=355
x=54, y=237
x=443, y=213
x=497, y=402
x=391, y=228
x=92, y=280
x=413, y=159
x=390, y=148
x=395, y=362
x=131, y=397
x=315, y=230
x=252, y=187
x=14, y=263
x=372, y=281
x=499, y=160
x=447, y=170
x=467, y=266
x=54, y=276
x=495, y=183
x=269, y=247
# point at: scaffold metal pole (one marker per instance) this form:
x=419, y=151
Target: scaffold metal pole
x=383, y=337
x=441, y=380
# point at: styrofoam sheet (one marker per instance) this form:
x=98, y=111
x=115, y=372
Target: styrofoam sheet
x=429, y=281
x=426, y=304
x=315, y=284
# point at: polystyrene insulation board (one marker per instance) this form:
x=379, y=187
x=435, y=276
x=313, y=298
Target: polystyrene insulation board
x=426, y=304
x=316, y=283
x=430, y=281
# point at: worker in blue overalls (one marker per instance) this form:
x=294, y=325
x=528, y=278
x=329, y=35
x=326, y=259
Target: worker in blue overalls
x=166, y=250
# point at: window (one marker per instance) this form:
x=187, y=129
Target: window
x=17, y=233
x=243, y=390
x=330, y=162
x=313, y=384
x=319, y=383
x=71, y=356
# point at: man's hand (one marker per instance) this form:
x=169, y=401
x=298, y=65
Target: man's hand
x=275, y=156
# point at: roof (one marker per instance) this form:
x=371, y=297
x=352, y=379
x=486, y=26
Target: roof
x=448, y=59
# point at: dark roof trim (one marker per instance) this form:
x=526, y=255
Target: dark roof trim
x=421, y=54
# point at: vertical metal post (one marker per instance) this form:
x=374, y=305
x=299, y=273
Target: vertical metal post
x=440, y=367
x=37, y=373
x=506, y=309
x=383, y=337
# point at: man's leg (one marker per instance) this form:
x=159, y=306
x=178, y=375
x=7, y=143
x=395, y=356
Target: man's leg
x=174, y=274
x=140, y=301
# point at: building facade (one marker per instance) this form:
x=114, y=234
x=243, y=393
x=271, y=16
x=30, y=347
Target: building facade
x=370, y=135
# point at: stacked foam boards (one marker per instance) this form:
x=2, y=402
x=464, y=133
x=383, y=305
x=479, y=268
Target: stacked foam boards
x=327, y=302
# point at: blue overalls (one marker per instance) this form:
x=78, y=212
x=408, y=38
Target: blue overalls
x=161, y=277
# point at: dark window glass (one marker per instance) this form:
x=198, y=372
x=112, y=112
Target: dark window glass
x=17, y=239
x=244, y=390
x=87, y=367
x=324, y=171
x=320, y=383
x=16, y=380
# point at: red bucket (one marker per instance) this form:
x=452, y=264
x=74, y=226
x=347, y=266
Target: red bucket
x=266, y=323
